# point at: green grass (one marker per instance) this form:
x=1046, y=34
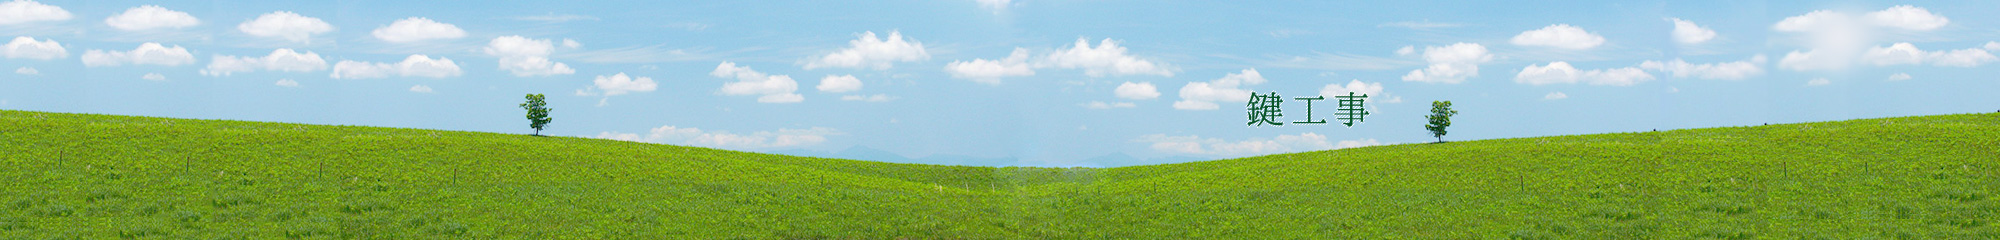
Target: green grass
x=79, y=176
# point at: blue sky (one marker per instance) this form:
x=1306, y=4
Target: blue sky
x=1025, y=82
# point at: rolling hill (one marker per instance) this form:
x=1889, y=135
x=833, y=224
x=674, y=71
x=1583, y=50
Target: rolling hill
x=83, y=176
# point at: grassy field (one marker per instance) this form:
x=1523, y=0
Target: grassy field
x=78, y=176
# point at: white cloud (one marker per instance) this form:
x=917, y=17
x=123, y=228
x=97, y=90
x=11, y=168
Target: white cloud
x=772, y=88
x=1811, y=21
x=995, y=5
x=1562, y=72
x=151, y=17
x=618, y=84
x=1228, y=89
x=27, y=71
x=1992, y=46
x=1686, y=32
x=147, y=54
x=868, y=98
x=1406, y=50
x=154, y=77
x=1834, y=40
x=1908, y=54
x=571, y=43
x=842, y=83
x=286, y=25
x=283, y=59
x=1196, y=145
x=869, y=51
x=1450, y=64
x=1814, y=60
x=420, y=89
x=1907, y=17
x=27, y=47
x=416, y=65
x=1737, y=70
x=1899, y=77
x=1555, y=96
x=1104, y=105
x=1559, y=36
x=526, y=57
x=1357, y=87
x=1106, y=59
x=782, y=138
x=1818, y=82
x=417, y=29
x=26, y=11
x=1137, y=91
x=990, y=71
x=286, y=83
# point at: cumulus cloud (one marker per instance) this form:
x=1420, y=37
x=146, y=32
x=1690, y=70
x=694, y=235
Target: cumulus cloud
x=841, y=83
x=416, y=65
x=871, y=52
x=27, y=11
x=526, y=57
x=28, y=48
x=1559, y=36
x=1450, y=64
x=1908, y=54
x=285, y=25
x=1992, y=46
x=1357, y=87
x=286, y=83
x=147, y=54
x=990, y=71
x=1899, y=77
x=1106, y=58
x=417, y=29
x=1835, y=40
x=1686, y=32
x=1136, y=91
x=771, y=88
x=1562, y=72
x=1737, y=70
x=154, y=77
x=1907, y=17
x=782, y=138
x=618, y=84
x=151, y=17
x=283, y=59
x=27, y=71
x=1555, y=96
x=1196, y=145
x=1228, y=89
x=868, y=98
x=420, y=89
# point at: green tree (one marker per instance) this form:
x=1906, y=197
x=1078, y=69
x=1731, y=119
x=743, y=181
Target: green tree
x=1440, y=118
x=538, y=113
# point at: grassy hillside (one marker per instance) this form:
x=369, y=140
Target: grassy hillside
x=77, y=176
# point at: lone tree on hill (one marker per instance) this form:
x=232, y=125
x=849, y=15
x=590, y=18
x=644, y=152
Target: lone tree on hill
x=1440, y=118
x=538, y=113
